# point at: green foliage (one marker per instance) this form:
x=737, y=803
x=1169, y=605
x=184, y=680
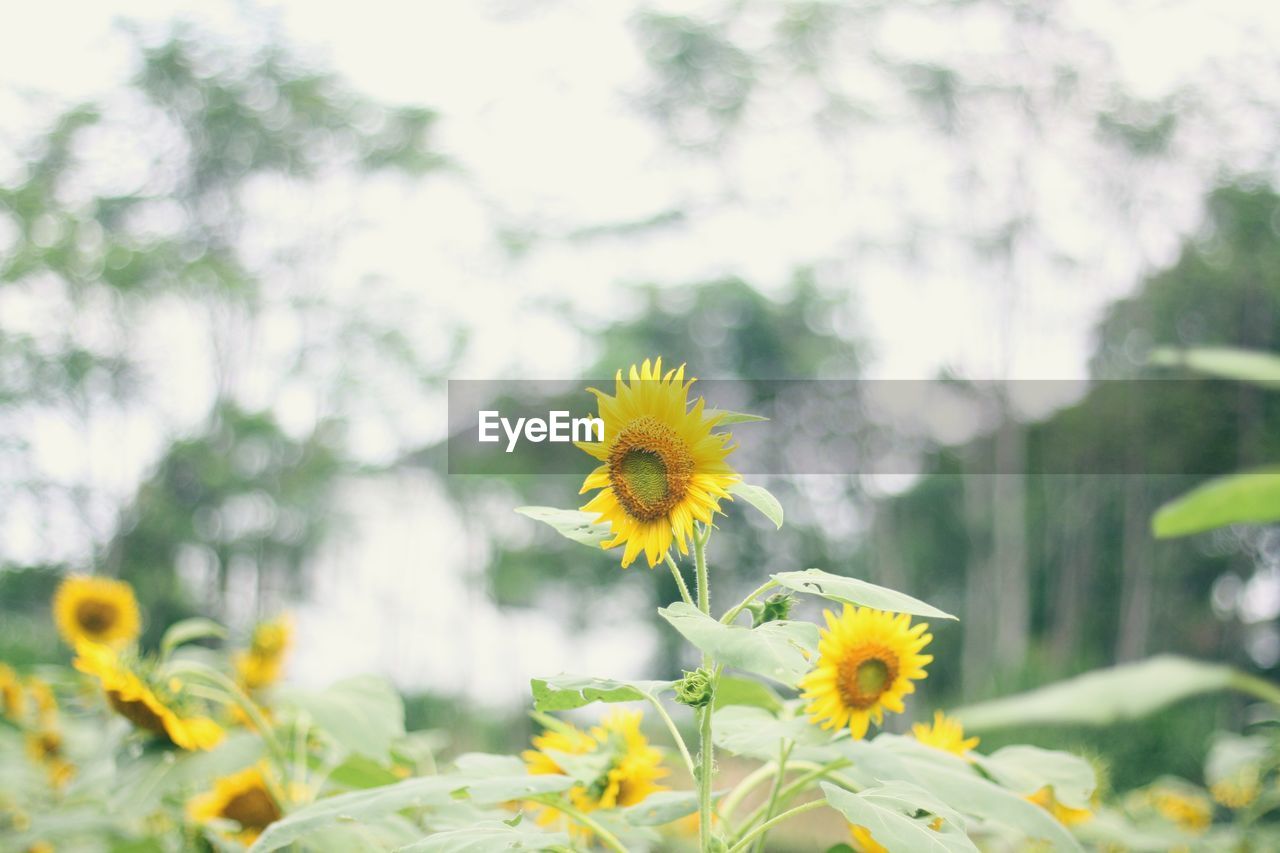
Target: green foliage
x=566, y=692
x=1252, y=497
x=364, y=714
x=901, y=817
x=760, y=498
x=776, y=650
x=570, y=523
x=846, y=590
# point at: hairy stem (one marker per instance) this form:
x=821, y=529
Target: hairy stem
x=675, y=735
x=732, y=614
x=675, y=573
x=706, y=752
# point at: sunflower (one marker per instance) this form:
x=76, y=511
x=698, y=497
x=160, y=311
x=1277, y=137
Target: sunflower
x=100, y=610
x=663, y=468
x=243, y=798
x=945, y=734
x=864, y=842
x=867, y=662
x=46, y=749
x=132, y=698
x=1238, y=791
x=1192, y=812
x=1065, y=815
x=629, y=767
x=260, y=665
x=13, y=701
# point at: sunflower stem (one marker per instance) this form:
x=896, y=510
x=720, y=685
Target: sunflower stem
x=802, y=781
x=675, y=735
x=732, y=613
x=706, y=751
x=675, y=573
x=748, y=784
x=607, y=838
x=764, y=828
x=1257, y=687
x=778, y=781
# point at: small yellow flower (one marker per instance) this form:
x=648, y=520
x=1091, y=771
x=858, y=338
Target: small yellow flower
x=662, y=466
x=867, y=662
x=243, y=798
x=630, y=774
x=100, y=610
x=1191, y=812
x=262, y=663
x=132, y=698
x=1065, y=815
x=946, y=734
x=13, y=701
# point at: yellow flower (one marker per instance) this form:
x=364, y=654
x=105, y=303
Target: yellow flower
x=132, y=698
x=1191, y=812
x=629, y=767
x=1238, y=791
x=260, y=666
x=100, y=610
x=867, y=662
x=946, y=734
x=244, y=798
x=46, y=749
x=1065, y=815
x=13, y=702
x=864, y=842
x=663, y=468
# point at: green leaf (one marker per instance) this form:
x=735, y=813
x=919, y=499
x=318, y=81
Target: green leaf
x=488, y=836
x=187, y=630
x=1027, y=769
x=375, y=803
x=570, y=523
x=777, y=650
x=566, y=692
x=363, y=714
x=731, y=690
x=1243, y=365
x=727, y=417
x=755, y=733
x=760, y=498
x=857, y=592
x=359, y=771
x=1102, y=697
x=889, y=812
x=1252, y=497
x=1232, y=754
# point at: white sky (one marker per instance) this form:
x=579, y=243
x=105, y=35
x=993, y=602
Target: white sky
x=535, y=104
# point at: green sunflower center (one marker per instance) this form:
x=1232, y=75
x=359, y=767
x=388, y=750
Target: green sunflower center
x=650, y=467
x=865, y=677
x=96, y=616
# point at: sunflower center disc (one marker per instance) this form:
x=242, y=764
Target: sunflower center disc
x=253, y=809
x=649, y=469
x=871, y=677
x=864, y=678
x=95, y=616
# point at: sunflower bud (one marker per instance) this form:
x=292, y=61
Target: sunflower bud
x=773, y=609
x=694, y=689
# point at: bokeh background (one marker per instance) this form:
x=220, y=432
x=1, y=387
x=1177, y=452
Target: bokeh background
x=243, y=246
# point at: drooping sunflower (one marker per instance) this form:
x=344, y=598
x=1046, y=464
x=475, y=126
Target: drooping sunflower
x=1065, y=815
x=245, y=799
x=261, y=664
x=138, y=702
x=944, y=733
x=100, y=610
x=868, y=660
x=662, y=466
x=630, y=767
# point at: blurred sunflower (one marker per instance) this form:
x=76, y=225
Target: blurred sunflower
x=867, y=662
x=1065, y=815
x=13, y=700
x=132, y=698
x=864, y=842
x=628, y=766
x=663, y=468
x=1192, y=812
x=100, y=610
x=261, y=664
x=243, y=798
x=45, y=747
x=945, y=733
x=1238, y=791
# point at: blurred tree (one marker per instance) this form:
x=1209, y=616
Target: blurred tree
x=111, y=252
